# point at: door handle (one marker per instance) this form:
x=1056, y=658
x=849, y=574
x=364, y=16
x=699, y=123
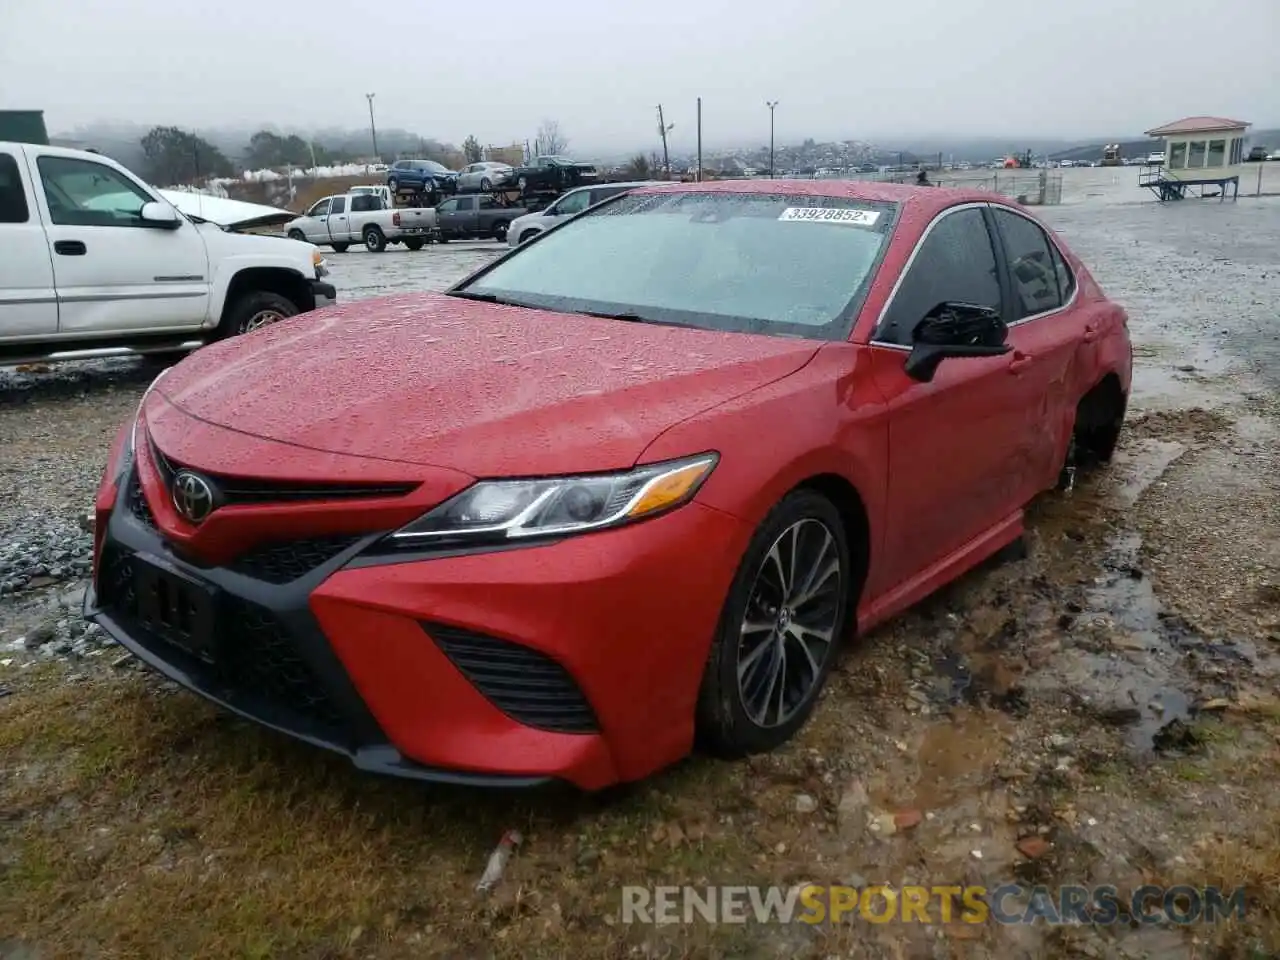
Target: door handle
x=70, y=248
x=1090, y=333
x=1020, y=362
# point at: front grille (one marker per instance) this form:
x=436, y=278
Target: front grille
x=247, y=490
x=255, y=658
x=527, y=686
x=285, y=562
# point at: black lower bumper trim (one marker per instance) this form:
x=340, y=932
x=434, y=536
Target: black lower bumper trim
x=381, y=759
x=324, y=293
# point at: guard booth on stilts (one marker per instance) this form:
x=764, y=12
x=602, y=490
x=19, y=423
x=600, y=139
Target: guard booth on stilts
x=1202, y=158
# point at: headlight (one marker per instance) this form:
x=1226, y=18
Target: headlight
x=496, y=512
x=318, y=262
x=128, y=451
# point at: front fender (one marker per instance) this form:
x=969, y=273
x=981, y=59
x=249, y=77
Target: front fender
x=826, y=419
x=228, y=267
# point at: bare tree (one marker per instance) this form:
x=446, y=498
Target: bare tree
x=638, y=168
x=550, y=139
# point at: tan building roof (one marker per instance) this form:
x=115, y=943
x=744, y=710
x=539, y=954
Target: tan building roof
x=1197, y=125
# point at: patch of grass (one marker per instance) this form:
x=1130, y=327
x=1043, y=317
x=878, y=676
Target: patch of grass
x=148, y=821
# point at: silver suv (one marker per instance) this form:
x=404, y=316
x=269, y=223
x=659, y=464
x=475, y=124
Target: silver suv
x=571, y=203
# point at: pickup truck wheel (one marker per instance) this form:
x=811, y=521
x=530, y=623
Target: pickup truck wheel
x=523, y=184
x=500, y=230
x=392, y=184
x=374, y=240
x=297, y=235
x=255, y=310
x=527, y=236
x=413, y=244
x=340, y=247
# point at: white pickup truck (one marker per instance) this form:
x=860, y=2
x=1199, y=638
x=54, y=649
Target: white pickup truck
x=95, y=263
x=363, y=216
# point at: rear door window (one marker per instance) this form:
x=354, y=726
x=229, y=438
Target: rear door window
x=1030, y=261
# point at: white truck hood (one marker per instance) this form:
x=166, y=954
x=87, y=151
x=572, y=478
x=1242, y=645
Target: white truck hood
x=229, y=214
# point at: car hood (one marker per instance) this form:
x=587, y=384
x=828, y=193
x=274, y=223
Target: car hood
x=229, y=214
x=488, y=390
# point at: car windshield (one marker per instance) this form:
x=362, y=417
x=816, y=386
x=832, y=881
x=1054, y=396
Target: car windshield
x=761, y=263
x=432, y=166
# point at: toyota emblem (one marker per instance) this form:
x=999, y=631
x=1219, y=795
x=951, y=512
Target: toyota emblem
x=193, y=496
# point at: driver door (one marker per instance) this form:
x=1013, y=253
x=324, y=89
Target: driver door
x=114, y=273
x=954, y=442
x=315, y=226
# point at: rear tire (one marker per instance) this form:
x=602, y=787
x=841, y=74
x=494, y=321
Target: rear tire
x=413, y=244
x=252, y=311
x=340, y=247
x=1096, y=431
x=374, y=240
x=393, y=184
x=779, y=630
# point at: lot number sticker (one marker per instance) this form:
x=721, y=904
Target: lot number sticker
x=857, y=218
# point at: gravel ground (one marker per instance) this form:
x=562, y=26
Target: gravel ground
x=1050, y=715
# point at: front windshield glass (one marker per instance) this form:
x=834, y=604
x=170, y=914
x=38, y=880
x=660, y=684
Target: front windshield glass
x=763, y=263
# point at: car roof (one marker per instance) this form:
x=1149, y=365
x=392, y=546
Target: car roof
x=926, y=201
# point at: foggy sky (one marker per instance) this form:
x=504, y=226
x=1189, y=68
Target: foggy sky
x=496, y=68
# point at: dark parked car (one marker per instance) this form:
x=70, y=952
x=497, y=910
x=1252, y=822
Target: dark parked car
x=1256, y=155
x=474, y=217
x=421, y=176
x=554, y=174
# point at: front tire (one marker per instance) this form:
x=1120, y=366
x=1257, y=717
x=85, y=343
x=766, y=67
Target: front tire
x=486, y=184
x=393, y=184
x=528, y=235
x=297, y=235
x=500, y=231
x=340, y=247
x=375, y=240
x=786, y=613
x=255, y=310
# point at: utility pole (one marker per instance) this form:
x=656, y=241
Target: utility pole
x=663, y=129
x=699, y=177
x=373, y=127
x=771, y=104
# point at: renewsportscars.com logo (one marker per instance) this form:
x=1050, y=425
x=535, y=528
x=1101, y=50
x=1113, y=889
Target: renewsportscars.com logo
x=1010, y=903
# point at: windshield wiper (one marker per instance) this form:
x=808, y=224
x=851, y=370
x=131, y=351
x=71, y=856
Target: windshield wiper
x=628, y=318
x=493, y=298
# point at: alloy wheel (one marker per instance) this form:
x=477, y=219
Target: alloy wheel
x=789, y=629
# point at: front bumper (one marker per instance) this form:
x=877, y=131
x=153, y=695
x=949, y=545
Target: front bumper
x=577, y=661
x=325, y=294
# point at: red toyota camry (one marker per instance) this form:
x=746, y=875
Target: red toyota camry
x=625, y=489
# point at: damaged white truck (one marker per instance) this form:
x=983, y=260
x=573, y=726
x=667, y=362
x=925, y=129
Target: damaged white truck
x=96, y=263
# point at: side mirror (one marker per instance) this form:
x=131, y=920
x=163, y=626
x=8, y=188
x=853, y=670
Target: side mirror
x=159, y=215
x=953, y=330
